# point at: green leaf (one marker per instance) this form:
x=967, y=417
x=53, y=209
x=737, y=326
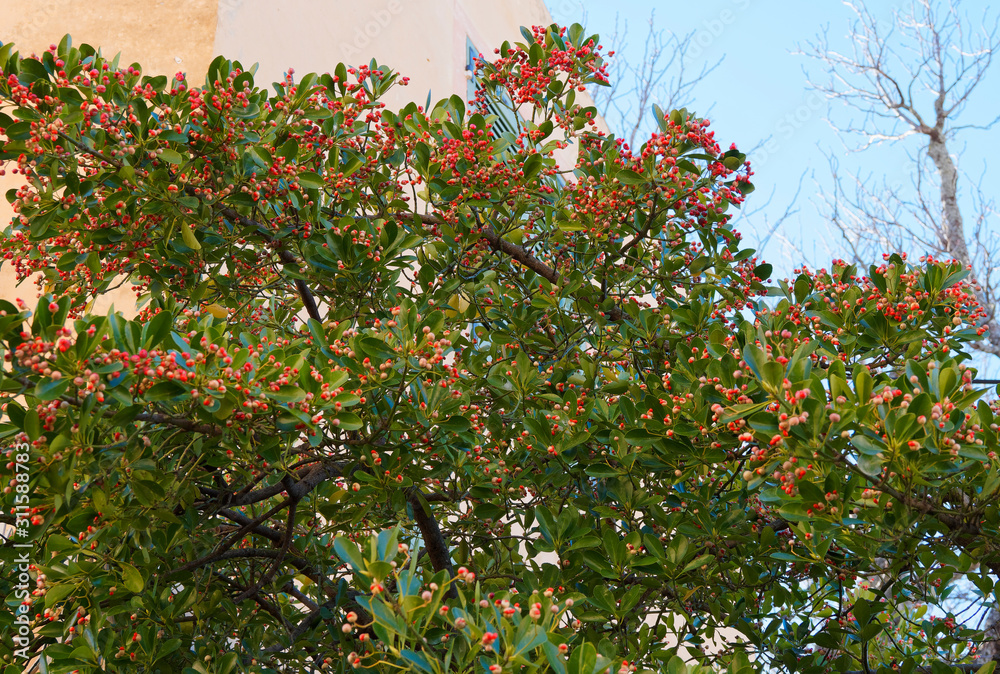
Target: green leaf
x=546, y=523
x=287, y=394
x=862, y=384
x=261, y=156
x=227, y=663
x=740, y=664
x=744, y=411
x=586, y=542
x=532, y=638
x=348, y=421
x=867, y=445
x=755, y=360
x=388, y=544
x=290, y=150
x=869, y=632
x=870, y=465
x=310, y=180
x=700, y=561
x=165, y=390
x=455, y=424
x=557, y=661
x=347, y=400
x=531, y=166
x=348, y=551
x=763, y=271
x=862, y=611
x=50, y=389
x=629, y=177
x=157, y=329
x=147, y=492
x=131, y=578
x=458, y=105
x=774, y=374
x=32, y=425
x=973, y=452
x=641, y=437
x=602, y=470
x=603, y=600
x=582, y=659
x=417, y=659
x=676, y=665
x=32, y=70
x=57, y=593
x=170, y=156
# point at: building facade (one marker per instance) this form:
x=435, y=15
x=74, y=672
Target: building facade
x=429, y=41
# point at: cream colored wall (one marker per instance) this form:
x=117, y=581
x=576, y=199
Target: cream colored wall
x=411, y=36
x=424, y=40
x=165, y=36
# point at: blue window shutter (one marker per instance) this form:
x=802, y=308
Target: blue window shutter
x=506, y=121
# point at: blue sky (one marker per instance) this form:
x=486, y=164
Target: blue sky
x=760, y=91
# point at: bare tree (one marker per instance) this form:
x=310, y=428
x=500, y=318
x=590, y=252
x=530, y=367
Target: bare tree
x=665, y=75
x=908, y=81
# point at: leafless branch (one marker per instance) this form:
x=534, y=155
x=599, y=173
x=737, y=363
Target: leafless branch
x=913, y=76
x=665, y=74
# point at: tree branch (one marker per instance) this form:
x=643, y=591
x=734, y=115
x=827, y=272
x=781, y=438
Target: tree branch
x=434, y=541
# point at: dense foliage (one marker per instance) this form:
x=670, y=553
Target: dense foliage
x=403, y=394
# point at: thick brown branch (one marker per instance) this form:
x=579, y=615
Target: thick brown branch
x=272, y=535
x=308, y=478
x=264, y=553
x=434, y=541
x=308, y=300
x=523, y=256
x=520, y=254
x=512, y=250
x=178, y=422
x=220, y=552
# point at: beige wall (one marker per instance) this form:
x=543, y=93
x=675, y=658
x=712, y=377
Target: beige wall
x=165, y=36
x=425, y=40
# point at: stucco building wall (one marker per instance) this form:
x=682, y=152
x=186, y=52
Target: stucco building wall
x=425, y=40
x=165, y=36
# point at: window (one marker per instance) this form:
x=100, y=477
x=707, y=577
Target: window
x=505, y=122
